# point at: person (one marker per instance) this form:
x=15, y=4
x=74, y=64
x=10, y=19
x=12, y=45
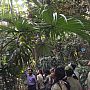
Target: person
x=52, y=70
x=31, y=79
x=88, y=78
x=47, y=80
x=75, y=73
x=74, y=83
x=88, y=81
x=59, y=84
x=40, y=80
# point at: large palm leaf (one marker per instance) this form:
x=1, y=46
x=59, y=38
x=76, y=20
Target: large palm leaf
x=63, y=24
x=18, y=47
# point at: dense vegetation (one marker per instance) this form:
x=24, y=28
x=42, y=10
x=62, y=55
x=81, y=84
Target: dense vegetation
x=58, y=29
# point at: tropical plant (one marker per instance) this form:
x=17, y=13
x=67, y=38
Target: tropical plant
x=25, y=38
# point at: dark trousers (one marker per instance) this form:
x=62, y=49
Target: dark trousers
x=31, y=87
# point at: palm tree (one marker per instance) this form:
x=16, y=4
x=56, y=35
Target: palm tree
x=35, y=36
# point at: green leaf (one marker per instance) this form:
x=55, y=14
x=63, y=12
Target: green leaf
x=62, y=15
x=37, y=3
x=47, y=15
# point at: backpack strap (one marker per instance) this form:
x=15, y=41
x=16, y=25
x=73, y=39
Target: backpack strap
x=67, y=85
x=59, y=85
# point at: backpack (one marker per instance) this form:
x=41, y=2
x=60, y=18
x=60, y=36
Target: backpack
x=66, y=84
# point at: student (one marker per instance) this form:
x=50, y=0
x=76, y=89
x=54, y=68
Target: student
x=48, y=81
x=75, y=72
x=52, y=72
x=40, y=80
x=88, y=78
x=59, y=83
x=31, y=79
x=74, y=83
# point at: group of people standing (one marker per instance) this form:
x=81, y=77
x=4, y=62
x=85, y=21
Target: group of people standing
x=41, y=80
x=60, y=78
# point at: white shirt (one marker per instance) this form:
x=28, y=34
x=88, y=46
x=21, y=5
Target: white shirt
x=40, y=81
